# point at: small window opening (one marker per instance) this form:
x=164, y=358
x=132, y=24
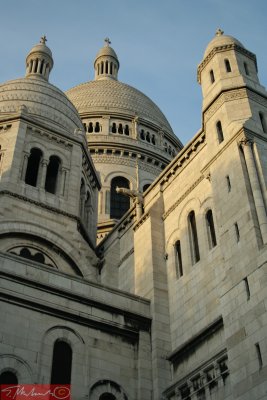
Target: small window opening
x=227, y=65
x=36, y=65
x=237, y=232
x=97, y=127
x=52, y=174
x=212, y=77
x=170, y=150
x=119, y=203
x=8, y=378
x=42, y=67
x=106, y=67
x=247, y=287
x=193, y=237
x=120, y=130
x=211, y=229
x=33, y=167
x=178, y=259
x=228, y=183
x=153, y=139
x=102, y=67
x=148, y=137
x=219, y=132
x=114, y=128
x=90, y=127
x=126, y=130
x=142, y=134
x=263, y=124
x=166, y=147
x=107, y=396
x=145, y=187
x=258, y=351
x=111, y=68
x=61, y=364
x=246, y=68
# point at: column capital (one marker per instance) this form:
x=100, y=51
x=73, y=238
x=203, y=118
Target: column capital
x=246, y=142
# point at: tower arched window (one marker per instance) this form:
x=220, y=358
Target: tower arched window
x=146, y=186
x=148, y=137
x=212, y=77
x=263, y=123
x=246, y=68
x=227, y=65
x=178, y=259
x=33, y=166
x=119, y=203
x=90, y=127
x=106, y=67
x=120, y=130
x=61, y=364
x=193, y=237
x=219, y=131
x=8, y=378
x=153, y=140
x=142, y=134
x=211, y=229
x=102, y=67
x=111, y=68
x=52, y=174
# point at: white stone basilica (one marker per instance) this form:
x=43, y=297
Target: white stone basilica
x=131, y=267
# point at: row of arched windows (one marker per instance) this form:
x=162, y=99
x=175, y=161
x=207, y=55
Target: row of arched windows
x=92, y=127
x=120, y=128
x=147, y=136
x=169, y=150
x=193, y=240
x=50, y=171
x=106, y=67
x=228, y=68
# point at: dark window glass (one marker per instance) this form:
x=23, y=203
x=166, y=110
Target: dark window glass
x=114, y=128
x=119, y=203
x=227, y=65
x=126, y=130
x=142, y=134
x=178, y=259
x=8, y=378
x=219, y=131
x=211, y=229
x=193, y=237
x=61, y=364
x=97, y=127
x=120, y=130
x=212, y=77
x=52, y=174
x=90, y=127
x=33, y=167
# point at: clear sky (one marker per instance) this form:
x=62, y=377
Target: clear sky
x=159, y=44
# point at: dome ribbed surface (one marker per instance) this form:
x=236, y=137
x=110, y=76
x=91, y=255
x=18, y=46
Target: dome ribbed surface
x=114, y=97
x=43, y=101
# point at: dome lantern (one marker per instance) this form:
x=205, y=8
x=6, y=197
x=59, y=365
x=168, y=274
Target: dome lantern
x=39, y=61
x=106, y=63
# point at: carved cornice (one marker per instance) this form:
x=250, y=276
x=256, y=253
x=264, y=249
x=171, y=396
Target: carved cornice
x=167, y=213
x=127, y=255
x=218, y=49
x=51, y=136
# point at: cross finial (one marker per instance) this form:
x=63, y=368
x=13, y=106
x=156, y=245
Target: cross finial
x=219, y=32
x=43, y=39
x=108, y=42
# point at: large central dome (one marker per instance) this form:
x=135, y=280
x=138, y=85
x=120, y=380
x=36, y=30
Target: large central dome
x=113, y=96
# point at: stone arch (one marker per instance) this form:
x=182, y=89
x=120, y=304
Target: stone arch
x=108, y=178
x=70, y=336
x=11, y=227
x=107, y=386
x=15, y=364
x=191, y=204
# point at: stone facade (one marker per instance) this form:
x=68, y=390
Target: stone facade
x=171, y=304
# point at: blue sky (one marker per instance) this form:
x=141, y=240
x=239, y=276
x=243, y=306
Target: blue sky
x=159, y=44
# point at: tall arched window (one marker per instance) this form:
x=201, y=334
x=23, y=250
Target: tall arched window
x=61, y=364
x=227, y=65
x=119, y=203
x=52, y=174
x=90, y=127
x=8, y=378
x=142, y=134
x=211, y=229
x=120, y=129
x=114, y=128
x=263, y=123
x=97, y=127
x=33, y=167
x=193, y=237
x=178, y=259
x=212, y=77
x=219, y=132
x=126, y=130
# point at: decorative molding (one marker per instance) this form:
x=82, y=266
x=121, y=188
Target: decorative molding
x=167, y=213
x=141, y=221
x=4, y=128
x=50, y=136
x=127, y=255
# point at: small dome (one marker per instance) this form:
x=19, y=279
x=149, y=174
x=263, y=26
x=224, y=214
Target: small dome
x=106, y=63
x=39, y=61
x=221, y=40
x=42, y=101
x=106, y=51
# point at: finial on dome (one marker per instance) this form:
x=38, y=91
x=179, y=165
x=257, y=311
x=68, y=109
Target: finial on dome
x=219, y=32
x=107, y=41
x=43, y=39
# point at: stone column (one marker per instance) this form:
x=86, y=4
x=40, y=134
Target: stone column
x=24, y=166
x=255, y=186
x=62, y=182
x=135, y=128
x=43, y=173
